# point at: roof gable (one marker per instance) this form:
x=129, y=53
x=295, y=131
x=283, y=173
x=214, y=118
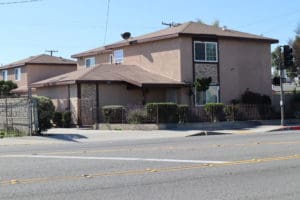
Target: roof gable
x=189, y=28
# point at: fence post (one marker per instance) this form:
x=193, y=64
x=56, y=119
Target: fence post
x=157, y=120
x=6, y=115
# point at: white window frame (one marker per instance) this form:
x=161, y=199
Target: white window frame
x=92, y=64
x=118, y=60
x=205, y=60
x=4, y=75
x=17, y=74
x=218, y=96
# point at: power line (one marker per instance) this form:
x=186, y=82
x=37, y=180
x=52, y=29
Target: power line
x=18, y=2
x=107, y=19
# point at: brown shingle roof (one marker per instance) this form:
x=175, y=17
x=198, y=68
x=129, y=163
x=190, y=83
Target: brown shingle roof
x=189, y=28
x=111, y=73
x=40, y=59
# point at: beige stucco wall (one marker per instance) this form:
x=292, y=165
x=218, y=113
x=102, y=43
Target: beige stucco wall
x=40, y=72
x=61, y=99
x=117, y=94
x=11, y=76
x=161, y=57
x=244, y=64
x=186, y=59
x=100, y=59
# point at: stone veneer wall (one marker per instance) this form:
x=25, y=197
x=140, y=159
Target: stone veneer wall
x=88, y=109
x=207, y=70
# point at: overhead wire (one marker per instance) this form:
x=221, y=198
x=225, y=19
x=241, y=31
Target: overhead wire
x=18, y=2
x=107, y=20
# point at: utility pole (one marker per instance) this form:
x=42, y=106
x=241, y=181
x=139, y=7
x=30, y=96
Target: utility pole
x=281, y=92
x=51, y=52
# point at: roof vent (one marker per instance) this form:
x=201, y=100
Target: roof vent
x=224, y=28
x=126, y=35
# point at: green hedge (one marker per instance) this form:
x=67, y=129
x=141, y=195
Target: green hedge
x=162, y=112
x=62, y=119
x=214, y=111
x=182, y=112
x=46, y=111
x=113, y=113
x=136, y=116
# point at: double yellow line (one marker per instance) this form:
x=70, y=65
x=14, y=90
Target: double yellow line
x=146, y=171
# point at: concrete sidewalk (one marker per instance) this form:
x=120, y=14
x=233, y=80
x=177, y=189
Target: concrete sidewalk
x=73, y=135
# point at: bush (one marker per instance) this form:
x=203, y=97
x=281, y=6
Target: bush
x=46, y=111
x=67, y=119
x=162, y=112
x=136, y=116
x=254, y=98
x=113, y=113
x=231, y=112
x=58, y=119
x=214, y=111
x=182, y=112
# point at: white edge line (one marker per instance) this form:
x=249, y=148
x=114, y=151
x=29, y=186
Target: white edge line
x=116, y=158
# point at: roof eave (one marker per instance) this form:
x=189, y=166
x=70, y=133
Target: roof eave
x=141, y=41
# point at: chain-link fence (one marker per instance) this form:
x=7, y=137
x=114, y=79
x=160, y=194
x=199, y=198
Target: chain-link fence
x=18, y=116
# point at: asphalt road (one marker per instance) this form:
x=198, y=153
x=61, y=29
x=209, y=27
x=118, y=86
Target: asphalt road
x=256, y=166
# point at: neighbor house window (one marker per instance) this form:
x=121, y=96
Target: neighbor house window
x=4, y=75
x=205, y=51
x=90, y=62
x=209, y=96
x=111, y=59
x=17, y=74
x=118, y=56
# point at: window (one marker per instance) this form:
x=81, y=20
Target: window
x=17, y=74
x=205, y=51
x=111, y=59
x=4, y=75
x=90, y=62
x=209, y=96
x=119, y=56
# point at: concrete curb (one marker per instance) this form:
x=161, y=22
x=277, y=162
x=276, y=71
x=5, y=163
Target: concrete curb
x=287, y=128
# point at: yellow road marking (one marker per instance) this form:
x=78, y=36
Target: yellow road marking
x=147, y=171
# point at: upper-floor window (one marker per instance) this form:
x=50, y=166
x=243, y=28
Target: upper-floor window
x=118, y=56
x=4, y=75
x=205, y=51
x=90, y=62
x=17, y=74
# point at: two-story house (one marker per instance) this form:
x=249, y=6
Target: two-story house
x=163, y=65
x=35, y=68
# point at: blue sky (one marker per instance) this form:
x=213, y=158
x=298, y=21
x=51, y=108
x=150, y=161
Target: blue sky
x=72, y=26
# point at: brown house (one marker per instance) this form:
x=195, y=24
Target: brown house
x=162, y=66
x=35, y=68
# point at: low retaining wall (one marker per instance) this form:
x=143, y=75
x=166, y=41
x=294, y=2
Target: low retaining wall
x=193, y=126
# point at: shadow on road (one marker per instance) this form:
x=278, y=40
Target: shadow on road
x=66, y=137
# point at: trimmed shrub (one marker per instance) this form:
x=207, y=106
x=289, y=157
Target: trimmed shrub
x=249, y=97
x=214, y=111
x=58, y=119
x=113, y=113
x=67, y=119
x=162, y=112
x=46, y=111
x=231, y=112
x=182, y=112
x=136, y=116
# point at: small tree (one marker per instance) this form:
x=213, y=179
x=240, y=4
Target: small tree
x=46, y=112
x=202, y=84
x=6, y=87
